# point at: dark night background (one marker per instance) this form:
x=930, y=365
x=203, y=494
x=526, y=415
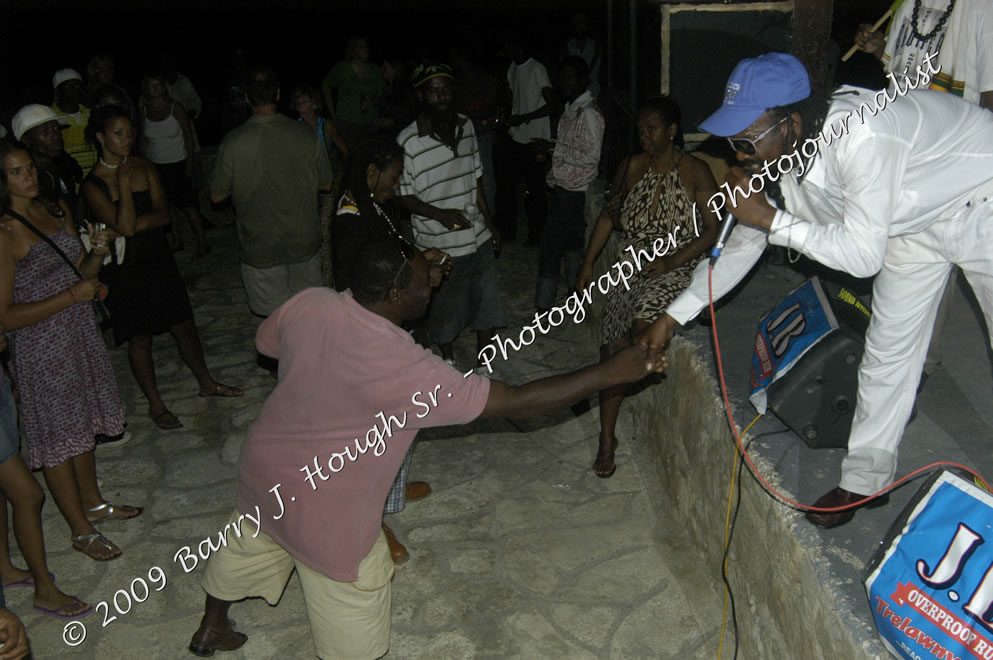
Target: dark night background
x=304, y=38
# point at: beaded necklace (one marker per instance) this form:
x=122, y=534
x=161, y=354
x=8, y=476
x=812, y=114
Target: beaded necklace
x=937, y=28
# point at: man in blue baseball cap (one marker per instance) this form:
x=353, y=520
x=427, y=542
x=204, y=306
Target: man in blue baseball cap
x=896, y=184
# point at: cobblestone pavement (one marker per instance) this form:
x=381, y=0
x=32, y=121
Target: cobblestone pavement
x=521, y=552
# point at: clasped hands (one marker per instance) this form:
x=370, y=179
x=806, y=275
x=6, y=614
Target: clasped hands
x=646, y=354
x=656, y=339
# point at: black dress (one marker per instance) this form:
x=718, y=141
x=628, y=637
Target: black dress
x=146, y=293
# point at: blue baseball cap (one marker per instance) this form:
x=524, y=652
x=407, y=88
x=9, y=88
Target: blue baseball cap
x=755, y=85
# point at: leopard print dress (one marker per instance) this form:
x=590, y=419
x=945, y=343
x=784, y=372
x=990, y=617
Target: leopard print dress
x=643, y=222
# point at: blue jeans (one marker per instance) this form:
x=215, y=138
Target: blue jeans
x=469, y=297
x=564, y=239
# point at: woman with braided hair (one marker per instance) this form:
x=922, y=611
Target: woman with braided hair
x=365, y=213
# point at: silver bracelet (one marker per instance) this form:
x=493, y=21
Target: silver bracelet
x=789, y=240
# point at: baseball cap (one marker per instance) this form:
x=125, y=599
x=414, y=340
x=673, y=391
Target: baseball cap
x=62, y=75
x=30, y=116
x=426, y=72
x=755, y=85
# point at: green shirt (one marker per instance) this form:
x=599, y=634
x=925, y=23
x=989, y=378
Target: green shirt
x=272, y=167
x=353, y=93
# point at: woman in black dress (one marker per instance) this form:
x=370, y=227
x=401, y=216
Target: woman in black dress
x=147, y=295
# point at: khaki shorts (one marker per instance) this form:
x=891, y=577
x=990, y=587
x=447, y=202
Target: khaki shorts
x=348, y=620
x=268, y=288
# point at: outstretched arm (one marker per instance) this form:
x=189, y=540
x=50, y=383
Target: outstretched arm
x=557, y=392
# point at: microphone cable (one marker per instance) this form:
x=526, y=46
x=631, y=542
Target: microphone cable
x=742, y=450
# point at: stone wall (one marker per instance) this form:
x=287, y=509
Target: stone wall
x=786, y=607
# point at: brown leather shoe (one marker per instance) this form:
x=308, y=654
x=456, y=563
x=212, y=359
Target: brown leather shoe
x=840, y=497
x=397, y=551
x=417, y=490
x=206, y=641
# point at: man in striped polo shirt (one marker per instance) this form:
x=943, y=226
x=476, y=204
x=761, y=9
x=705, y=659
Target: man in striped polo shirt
x=442, y=187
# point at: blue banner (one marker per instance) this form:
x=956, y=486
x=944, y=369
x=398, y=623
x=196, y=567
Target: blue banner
x=793, y=327
x=931, y=588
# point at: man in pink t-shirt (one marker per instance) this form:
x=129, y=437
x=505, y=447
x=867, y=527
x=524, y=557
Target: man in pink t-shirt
x=353, y=391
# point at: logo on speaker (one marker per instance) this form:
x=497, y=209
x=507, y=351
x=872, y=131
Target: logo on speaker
x=790, y=323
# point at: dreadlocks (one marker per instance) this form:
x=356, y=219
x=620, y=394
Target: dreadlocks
x=376, y=152
x=812, y=111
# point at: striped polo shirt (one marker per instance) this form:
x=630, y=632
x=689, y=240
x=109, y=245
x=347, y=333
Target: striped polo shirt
x=443, y=178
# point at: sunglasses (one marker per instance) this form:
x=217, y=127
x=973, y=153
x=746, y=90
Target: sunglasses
x=747, y=145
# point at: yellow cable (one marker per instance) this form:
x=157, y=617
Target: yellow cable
x=727, y=529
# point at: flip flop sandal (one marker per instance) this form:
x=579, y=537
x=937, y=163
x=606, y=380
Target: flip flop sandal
x=27, y=582
x=61, y=612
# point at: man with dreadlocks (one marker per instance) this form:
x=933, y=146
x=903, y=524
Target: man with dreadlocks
x=442, y=187
x=902, y=193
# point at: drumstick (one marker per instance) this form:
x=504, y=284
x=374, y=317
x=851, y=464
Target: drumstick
x=878, y=24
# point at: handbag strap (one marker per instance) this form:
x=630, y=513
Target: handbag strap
x=27, y=223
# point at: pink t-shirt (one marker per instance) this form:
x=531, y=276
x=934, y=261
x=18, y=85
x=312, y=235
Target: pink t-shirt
x=353, y=390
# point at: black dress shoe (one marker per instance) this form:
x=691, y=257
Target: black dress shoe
x=204, y=645
x=840, y=497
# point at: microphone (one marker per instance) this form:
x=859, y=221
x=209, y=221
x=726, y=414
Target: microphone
x=729, y=223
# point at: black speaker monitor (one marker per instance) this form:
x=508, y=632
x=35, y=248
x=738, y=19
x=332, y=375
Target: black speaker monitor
x=816, y=398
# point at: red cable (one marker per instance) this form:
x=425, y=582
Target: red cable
x=751, y=466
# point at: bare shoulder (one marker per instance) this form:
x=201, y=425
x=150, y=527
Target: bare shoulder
x=636, y=166
x=144, y=168
x=697, y=172
x=9, y=245
x=695, y=166
x=140, y=162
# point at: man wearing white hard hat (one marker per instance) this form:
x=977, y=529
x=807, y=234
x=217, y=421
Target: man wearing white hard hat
x=68, y=86
x=902, y=193
x=59, y=175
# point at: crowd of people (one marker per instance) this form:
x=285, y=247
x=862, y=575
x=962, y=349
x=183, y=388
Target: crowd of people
x=370, y=209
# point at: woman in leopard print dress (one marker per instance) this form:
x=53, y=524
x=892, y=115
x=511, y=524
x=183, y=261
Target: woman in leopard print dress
x=654, y=198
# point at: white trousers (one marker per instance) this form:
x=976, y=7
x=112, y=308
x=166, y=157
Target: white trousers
x=905, y=299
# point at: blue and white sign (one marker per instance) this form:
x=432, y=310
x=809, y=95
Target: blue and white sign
x=931, y=591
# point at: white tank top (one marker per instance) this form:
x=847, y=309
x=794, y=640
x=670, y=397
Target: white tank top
x=165, y=139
